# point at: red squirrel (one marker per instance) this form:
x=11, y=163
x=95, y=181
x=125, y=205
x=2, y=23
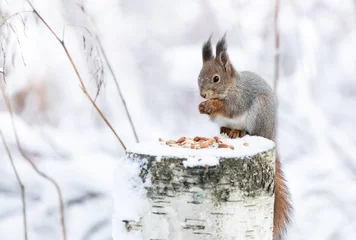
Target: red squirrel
x=242, y=103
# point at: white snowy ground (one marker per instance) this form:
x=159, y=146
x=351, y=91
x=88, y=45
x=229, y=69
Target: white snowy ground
x=154, y=48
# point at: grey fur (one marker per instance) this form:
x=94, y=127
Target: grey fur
x=253, y=96
x=245, y=93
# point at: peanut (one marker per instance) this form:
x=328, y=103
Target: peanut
x=182, y=139
x=245, y=144
x=170, y=142
x=204, y=144
x=198, y=142
x=223, y=145
x=211, y=141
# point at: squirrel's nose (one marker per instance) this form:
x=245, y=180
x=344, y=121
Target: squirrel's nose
x=203, y=95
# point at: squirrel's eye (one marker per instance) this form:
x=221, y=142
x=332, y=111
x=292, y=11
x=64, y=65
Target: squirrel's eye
x=216, y=79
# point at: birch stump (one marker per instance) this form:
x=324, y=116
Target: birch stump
x=218, y=194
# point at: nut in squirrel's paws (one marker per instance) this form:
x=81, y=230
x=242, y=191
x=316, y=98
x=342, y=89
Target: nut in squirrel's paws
x=210, y=106
x=204, y=107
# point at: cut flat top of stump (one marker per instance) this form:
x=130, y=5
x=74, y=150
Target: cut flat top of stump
x=255, y=145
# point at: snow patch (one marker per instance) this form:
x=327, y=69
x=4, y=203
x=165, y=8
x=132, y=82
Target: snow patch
x=254, y=146
x=130, y=198
x=201, y=161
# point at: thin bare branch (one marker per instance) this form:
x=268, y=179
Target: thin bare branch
x=4, y=61
x=97, y=39
x=23, y=23
x=118, y=89
x=98, y=72
x=277, y=53
x=90, y=99
x=13, y=15
x=77, y=73
x=24, y=154
x=276, y=59
x=22, y=187
x=18, y=41
x=6, y=21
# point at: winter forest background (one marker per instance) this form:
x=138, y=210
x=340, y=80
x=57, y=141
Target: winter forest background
x=154, y=50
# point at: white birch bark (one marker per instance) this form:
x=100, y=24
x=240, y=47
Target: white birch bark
x=233, y=200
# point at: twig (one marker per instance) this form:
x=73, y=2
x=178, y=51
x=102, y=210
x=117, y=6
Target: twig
x=39, y=172
x=22, y=187
x=4, y=61
x=24, y=24
x=99, y=72
x=13, y=15
x=118, y=88
x=18, y=41
x=114, y=77
x=77, y=73
x=276, y=35
x=276, y=62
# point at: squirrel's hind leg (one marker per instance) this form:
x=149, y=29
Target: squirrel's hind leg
x=232, y=133
x=225, y=130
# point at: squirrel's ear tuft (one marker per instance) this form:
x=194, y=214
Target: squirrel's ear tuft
x=221, y=46
x=207, y=51
x=222, y=57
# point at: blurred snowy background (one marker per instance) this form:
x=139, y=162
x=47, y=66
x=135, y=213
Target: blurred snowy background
x=154, y=49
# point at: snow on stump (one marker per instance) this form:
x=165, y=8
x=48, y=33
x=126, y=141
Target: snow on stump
x=168, y=193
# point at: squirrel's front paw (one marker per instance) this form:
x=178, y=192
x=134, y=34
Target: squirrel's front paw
x=210, y=106
x=203, y=107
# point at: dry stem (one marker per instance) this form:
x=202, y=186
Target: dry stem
x=22, y=187
x=39, y=172
x=77, y=73
x=276, y=35
x=98, y=42
x=13, y=15
x=118, y=88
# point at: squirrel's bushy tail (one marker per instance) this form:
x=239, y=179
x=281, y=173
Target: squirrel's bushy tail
x=282, y=204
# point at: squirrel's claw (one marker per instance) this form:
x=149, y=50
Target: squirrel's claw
x=243, y=133
x=232, y=133
x=225, y=130
x=236, y=133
